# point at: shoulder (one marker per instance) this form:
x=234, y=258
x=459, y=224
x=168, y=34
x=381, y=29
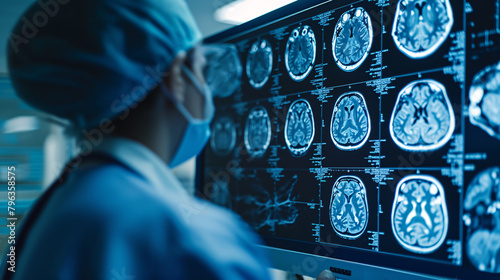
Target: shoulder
x=112, y=213
x=220, y=244
x=105, y=188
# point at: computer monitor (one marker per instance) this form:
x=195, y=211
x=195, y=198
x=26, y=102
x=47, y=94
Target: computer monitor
x=365, y=138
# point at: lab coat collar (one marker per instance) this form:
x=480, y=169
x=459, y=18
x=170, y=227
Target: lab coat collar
x=143, y=161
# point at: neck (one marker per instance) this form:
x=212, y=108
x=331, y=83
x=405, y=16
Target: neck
x=154, y=126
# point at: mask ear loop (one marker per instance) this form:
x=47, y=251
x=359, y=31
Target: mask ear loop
x=176, y=102
x=197, y=131
x=204, y=90
x=209, y=111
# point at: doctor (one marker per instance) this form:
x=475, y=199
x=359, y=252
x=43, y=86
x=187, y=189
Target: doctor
x=128, y=76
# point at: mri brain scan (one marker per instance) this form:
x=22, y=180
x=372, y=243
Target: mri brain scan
x=300, y=53
x=352, y=39
x=482, y=217
x=259, y=63
x=422, y=119
x=484, y=95
x=350, y=126
x=419, y=216
x=349, y=207
x=270, y=209
x=223, y=136
x=257, y=131
x=299, y=127
x=421, y=26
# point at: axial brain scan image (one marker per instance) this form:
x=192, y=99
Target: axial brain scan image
x=349, y=207
x=484, y=95
x=421, y=26
x=423, y=118
x=257, y=131
x=352, y=39
x=300, y=53
x=259, y=63
x=350, y=126
x=299, y=127
x=223, y=138
x=419, y=216
x=482, y=217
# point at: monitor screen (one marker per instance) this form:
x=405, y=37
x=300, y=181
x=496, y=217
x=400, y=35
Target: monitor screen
x=365, y=136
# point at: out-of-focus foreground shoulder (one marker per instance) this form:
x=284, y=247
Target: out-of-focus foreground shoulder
x=109, y=223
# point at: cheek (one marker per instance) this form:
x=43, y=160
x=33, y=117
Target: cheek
x=194, y=102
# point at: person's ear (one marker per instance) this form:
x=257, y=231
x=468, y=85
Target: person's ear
x=175, y=81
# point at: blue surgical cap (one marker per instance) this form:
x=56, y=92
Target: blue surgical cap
x=91, y=60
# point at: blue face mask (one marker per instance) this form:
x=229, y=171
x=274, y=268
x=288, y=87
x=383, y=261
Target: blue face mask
x=197, y=131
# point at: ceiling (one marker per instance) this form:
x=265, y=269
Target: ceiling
x=11, y=10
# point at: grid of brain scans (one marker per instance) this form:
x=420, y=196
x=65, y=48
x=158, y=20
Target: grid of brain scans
x=369, y=126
